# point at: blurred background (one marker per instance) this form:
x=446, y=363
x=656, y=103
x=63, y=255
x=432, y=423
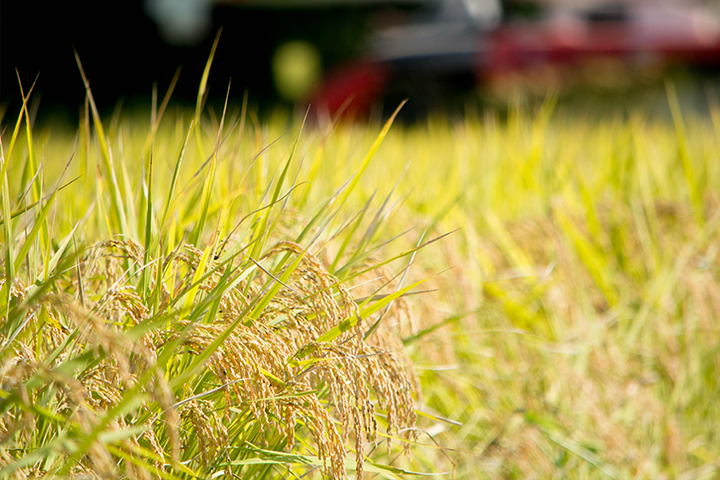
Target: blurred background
x=351, y=55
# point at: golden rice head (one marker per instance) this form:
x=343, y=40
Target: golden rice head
x=208, y=428
x=256, y=363
x=354, y=369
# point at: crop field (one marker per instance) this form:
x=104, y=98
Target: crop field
x=202, y=294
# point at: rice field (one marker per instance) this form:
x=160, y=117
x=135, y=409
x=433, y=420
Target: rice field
x=202, y=294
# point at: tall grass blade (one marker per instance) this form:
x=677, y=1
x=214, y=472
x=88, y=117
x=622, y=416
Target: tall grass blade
x=39, y=222
x=264, y=229
x=16, y=130
x=157, y=118
x=118, y=205
x=210, y=180
x=375, y=146
x=149, y=245
x=9, y=241
x=691, y=179
x=202, y=91
x=31, y=164
x=350, y=234
x=176, y=172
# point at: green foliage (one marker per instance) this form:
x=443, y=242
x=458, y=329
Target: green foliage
x=160, y=322
x=193, y=297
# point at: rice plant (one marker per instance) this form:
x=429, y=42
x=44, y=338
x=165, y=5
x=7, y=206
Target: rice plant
x=530, y=294
x=167, y=312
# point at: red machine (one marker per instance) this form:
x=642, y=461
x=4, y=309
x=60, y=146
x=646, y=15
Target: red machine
x=602, y=46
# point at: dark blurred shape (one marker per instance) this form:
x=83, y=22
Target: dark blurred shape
x=115, y=40
x=127, y=46
x=371, y=51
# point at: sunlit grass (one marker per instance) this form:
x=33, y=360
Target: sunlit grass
x=212, y=294
x=169, y=312
x=589, y=251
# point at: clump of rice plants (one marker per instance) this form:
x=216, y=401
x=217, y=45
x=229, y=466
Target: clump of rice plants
x=167, y=312
x=207, y=294
x=577, y=336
